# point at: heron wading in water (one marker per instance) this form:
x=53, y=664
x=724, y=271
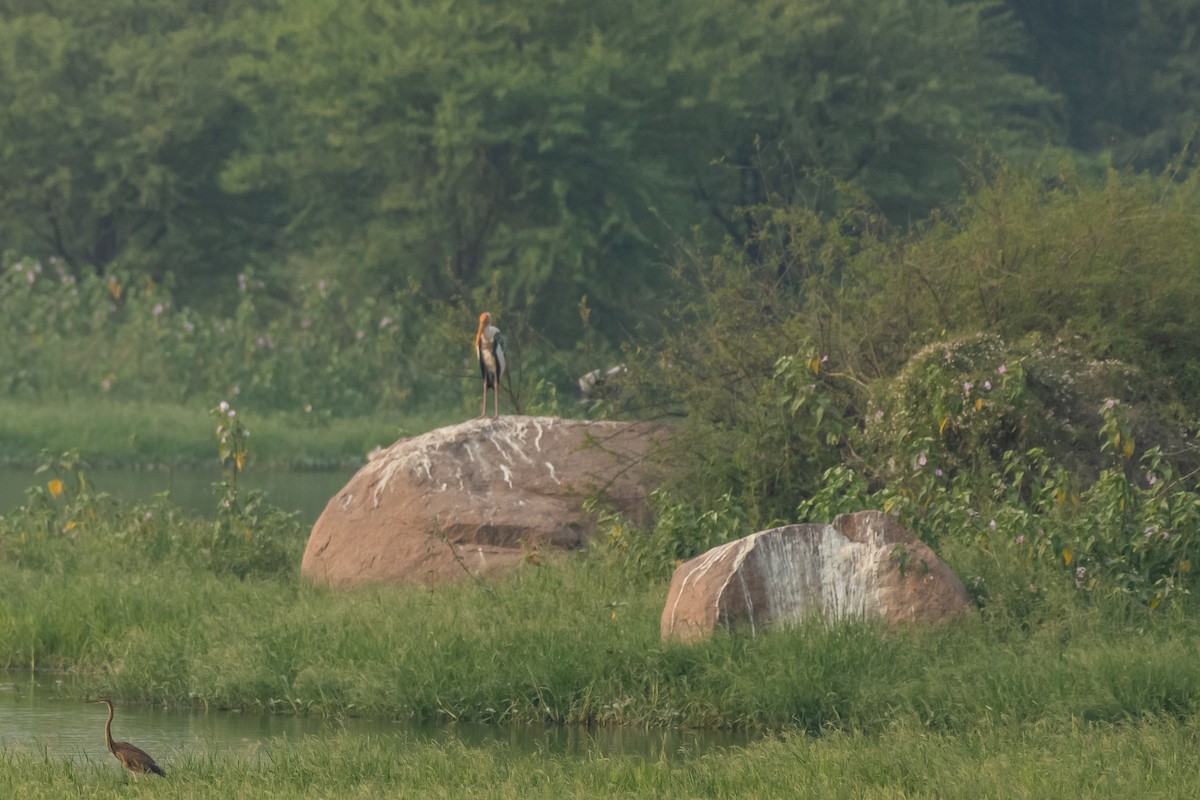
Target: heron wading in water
x=489, y=346
x=132, y=758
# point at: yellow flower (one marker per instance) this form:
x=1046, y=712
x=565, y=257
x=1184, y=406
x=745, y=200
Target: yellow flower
x=56, y=487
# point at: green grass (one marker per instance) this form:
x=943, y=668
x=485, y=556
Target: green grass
x=115, y=433
x=1152, y=759
x=1048, y=693
x=574, y=640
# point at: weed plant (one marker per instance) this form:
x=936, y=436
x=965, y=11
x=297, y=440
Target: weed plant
x=319, y=354
x=1153, y=759
x=153, y=607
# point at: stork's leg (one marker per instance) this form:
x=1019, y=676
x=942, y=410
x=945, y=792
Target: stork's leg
x=483, y=404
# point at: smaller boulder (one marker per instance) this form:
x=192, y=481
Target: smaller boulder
x=862, y=566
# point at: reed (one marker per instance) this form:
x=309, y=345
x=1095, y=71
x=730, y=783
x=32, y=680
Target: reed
x=1152, y=758
x=572, y=640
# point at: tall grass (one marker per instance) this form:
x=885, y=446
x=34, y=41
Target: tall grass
x=573, y=640
x=1153, y=759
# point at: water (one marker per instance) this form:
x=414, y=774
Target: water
x=305, y=493
x=41, y=713
x=44, y=713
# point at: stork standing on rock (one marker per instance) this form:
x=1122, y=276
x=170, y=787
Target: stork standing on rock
x=489, y=346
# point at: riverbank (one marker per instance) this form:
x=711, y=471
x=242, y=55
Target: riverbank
x=107, y=434
x=140, y=601
x=1152, y=758
x=153, y=611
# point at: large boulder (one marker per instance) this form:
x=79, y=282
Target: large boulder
x=478, y=497
x=863, y=566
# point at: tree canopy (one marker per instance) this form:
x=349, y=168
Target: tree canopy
x=535, y=149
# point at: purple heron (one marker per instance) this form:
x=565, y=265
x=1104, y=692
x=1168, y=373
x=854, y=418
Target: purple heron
x=132, y=758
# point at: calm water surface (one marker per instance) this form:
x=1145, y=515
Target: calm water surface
x=42, y=713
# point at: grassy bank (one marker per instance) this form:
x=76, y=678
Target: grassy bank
x=1152, y=759
x=572, y=640
x=1053, y=693
x=150, y=604
x=133, y=434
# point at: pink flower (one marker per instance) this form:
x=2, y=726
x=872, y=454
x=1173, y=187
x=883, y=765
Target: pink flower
x=1003, y=369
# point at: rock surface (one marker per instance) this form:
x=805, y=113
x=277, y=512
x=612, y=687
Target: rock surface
x=476, y=497
x=863, y=566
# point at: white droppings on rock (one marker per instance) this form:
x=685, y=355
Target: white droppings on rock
x=489, y=482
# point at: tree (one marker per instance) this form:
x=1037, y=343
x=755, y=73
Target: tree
x=442, y=143
x=1129, y=73
x=113, y=128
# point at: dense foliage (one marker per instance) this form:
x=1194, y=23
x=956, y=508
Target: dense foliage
x=1008, y=378
x=562, y=150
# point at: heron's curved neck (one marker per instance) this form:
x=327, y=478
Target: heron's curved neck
x=108, y=727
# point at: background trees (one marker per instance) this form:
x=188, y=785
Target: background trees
x=545, y=149
x=549, y=159
x=1128, y=73
x=114, y=126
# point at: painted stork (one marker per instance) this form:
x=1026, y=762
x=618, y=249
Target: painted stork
x=489, y=346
